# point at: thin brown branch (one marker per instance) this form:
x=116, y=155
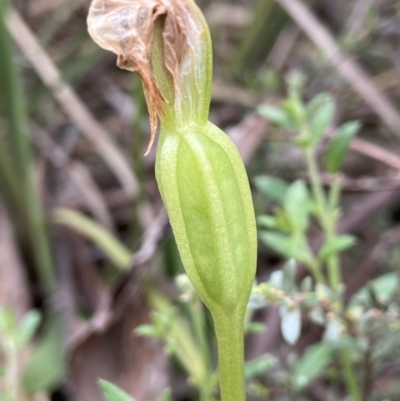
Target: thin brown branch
x=79, y=174
x=248, y=135
x=70, y=102
x=375, y=152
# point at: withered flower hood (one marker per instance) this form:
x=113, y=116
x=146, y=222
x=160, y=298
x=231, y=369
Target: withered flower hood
x=127, y=28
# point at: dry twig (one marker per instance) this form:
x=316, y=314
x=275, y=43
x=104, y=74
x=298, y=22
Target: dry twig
x=70, y=102
x=78, y=173
x=375, y=152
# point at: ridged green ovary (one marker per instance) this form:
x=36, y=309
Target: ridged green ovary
x=205, y=189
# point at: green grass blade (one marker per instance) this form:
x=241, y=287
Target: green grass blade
x=20, y=149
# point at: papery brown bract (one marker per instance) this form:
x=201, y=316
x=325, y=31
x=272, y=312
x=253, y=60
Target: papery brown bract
x=126, y=27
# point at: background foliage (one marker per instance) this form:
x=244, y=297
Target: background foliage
x=91, y=285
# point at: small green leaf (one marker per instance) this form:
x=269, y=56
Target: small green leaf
x=316, y=103
x=290, y=323
x=276, y=115
x=385, y=287
x=297, y=206
x=256, y=301
x=287, y=246
x=113, y=393
x=382, y=289
x=333, y=331
x=259, y=366
x=296, y=81
x=266, y=221
x=8, y=322
x=321, y=118
x=276, y=279
x=280, y=243
x=289, y=276
x=317, y=315
x=117, y=252
x=338, y=146
x=306, y=284
x=295, y=109
x=147, y=330
x=324, y=292
x=47, y=367
x=282, y=222
x=336, y=246
x=272, y=187
x=255, y=327
x=28, y=327
x=311, y=364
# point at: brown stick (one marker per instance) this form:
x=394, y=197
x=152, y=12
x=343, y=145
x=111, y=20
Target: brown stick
x=70, y=102
x=375, y=152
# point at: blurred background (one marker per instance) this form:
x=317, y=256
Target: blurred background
x=91, y=284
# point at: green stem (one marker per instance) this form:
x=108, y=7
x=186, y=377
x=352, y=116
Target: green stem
x=316, y=184
x=196, y=312
x=316, y=187
x=315, y=269
x=335, y=276
x=326, y=213
x=350, y=376
x=334, y=194
x=229, y=332
x=328, y=219
x=187, y=353
x=11, y=369
x=198, y=319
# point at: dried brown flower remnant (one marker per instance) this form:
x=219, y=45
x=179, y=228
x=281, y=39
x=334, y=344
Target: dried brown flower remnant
x=126, y=28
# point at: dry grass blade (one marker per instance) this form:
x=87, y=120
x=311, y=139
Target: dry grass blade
x=248, y=135
x=79, y=174
x=345, y=66
x=233, y=94
x=375, y=152
x=151, y=238
x=70, y=102
x=91, y=193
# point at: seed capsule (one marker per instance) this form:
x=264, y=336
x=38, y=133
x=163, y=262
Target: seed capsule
x=206, y=192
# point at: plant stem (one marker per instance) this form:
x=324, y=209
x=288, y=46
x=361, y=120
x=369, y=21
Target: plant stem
x=316, y=184
x=335, y=276
x=328, y=219
x=326, y=213
x=334, y=194
x=229, y=331
x=11, y=369
x=350, y=376
x=315, y=269
x=316, y=187
x=195, y=311
x=187, y=352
